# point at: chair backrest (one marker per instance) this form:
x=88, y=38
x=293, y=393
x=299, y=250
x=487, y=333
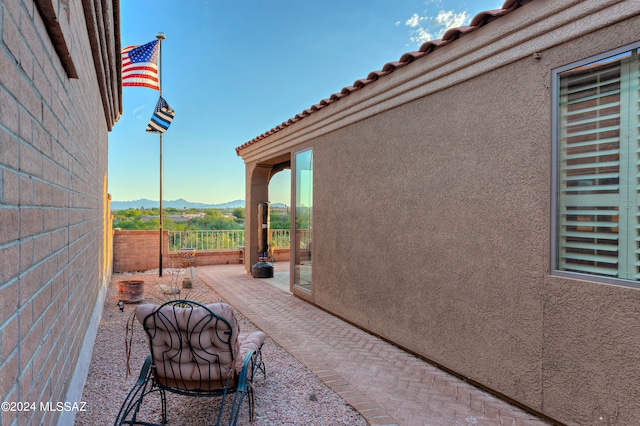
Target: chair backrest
x=194, y=347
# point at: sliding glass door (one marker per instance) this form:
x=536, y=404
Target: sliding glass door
x=303, y=222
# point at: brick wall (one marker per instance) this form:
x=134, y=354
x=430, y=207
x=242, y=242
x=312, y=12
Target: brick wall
x=55, y=253
x=138, y=251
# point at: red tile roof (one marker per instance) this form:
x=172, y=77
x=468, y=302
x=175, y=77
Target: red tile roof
x=480, y=20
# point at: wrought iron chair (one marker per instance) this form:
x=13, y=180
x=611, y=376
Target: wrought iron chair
x=196, y=350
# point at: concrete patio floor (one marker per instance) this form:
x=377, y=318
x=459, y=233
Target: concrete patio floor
x=387, y=385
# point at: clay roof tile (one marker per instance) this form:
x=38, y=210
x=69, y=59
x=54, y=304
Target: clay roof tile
x=409, y=57
x=359, y=84
x=455, y=33
x=431, y=45
x=483, y=18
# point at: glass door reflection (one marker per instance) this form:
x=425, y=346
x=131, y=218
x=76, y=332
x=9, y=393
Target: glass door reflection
x=303, y=219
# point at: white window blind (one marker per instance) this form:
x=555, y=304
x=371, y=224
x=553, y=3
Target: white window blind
x=599, y=170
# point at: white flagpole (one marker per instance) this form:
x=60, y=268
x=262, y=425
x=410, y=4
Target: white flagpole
x=160, y=37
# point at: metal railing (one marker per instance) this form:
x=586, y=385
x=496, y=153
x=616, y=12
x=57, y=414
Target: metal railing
x=281, y=237
x=212, y=240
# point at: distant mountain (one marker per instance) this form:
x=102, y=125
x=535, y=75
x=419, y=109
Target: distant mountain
x=178, y=204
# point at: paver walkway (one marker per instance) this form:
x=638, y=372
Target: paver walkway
x=386, y=385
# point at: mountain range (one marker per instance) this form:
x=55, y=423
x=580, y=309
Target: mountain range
x=178, y=204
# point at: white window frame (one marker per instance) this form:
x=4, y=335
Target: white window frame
x=555, y=169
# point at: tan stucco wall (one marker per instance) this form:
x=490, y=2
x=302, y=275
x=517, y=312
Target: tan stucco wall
x=441, y=207
x=432, y=218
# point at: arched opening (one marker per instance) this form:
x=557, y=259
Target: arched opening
x=280, y=187
x=268, y=181
x=280, y=215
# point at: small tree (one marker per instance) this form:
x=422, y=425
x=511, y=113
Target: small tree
x=239, y=212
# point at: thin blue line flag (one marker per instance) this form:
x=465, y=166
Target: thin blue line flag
x=161, y=118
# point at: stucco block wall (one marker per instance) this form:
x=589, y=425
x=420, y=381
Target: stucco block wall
x=55, y=257
x=444, y=207
x=444, y=227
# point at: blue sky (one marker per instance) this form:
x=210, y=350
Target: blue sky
x=234, y=69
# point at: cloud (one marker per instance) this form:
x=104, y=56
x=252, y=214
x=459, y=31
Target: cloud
x=425, y=28
x=414, y=21
x=450, y=19
x=420, y=35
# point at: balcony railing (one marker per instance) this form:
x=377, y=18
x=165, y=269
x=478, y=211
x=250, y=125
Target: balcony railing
x=213, y=240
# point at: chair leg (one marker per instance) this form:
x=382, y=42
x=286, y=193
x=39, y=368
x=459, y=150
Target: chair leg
x=252, y=402
x=257, y=364
x=252, y=361
x=163, y=401
x=222, y=401
x=237, y=403
x=130, y=408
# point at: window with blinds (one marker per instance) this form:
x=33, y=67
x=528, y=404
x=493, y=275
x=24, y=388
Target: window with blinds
x=598, y=219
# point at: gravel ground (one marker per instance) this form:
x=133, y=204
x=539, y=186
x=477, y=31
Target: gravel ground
x=290, y=395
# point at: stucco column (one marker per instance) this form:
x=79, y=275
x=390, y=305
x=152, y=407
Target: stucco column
x=257, y=191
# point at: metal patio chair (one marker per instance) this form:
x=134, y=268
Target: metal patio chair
x=196, y=350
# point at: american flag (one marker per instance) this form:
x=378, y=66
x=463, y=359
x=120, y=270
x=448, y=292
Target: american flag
x=140, y=65
x=161, y=118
